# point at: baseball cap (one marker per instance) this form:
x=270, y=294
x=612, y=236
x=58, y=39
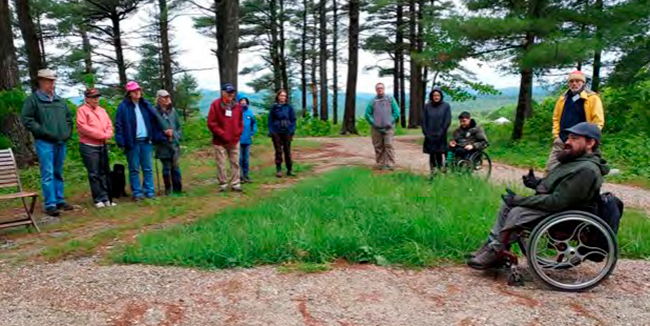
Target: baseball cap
x=162, y=93
x=228, y=88
x=92, y=93
x=132, y=86
x=586, y=129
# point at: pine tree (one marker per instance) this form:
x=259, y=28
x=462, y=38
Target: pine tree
x=348, y=126
x=187, y=95
x=32, y=41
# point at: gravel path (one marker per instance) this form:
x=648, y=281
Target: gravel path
x=84, y=293
x=409, y=156
x=87, y=293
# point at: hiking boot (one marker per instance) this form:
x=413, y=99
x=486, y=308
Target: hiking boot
x=52, y=211
x=64, y=206
x=485, y=259
x=478, y=251
x=290, y=174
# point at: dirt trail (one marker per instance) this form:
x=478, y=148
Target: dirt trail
x=409, y=156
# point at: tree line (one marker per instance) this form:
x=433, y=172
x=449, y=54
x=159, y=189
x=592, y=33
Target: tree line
x=303, y=44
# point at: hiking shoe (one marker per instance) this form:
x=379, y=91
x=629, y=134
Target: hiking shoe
x=390, y=168
x=99, y=205
x=110, y=204
x=485, y=259
x=223, y=188
x=478, y=251
x=137, y=199
x=52, y=211
x=290, y=174
x=64, y=206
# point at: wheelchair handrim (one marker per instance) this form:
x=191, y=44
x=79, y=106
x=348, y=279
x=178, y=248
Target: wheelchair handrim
x=542, y=265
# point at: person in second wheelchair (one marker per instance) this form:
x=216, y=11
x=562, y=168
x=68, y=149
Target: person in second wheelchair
x=468, y=138
x=574, y=184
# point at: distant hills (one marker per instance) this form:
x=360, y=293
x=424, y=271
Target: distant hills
x=482, y=103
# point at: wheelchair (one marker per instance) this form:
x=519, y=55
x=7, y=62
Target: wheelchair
x=569, y=251
x=477, y=163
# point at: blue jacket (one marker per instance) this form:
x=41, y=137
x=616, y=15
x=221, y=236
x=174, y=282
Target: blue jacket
x=282, y=119
x=250, y=127
x=125, y=122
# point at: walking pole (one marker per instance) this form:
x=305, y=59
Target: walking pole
x=155, y=162
x=106, y=166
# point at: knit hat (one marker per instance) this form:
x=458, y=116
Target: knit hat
x=578, y=75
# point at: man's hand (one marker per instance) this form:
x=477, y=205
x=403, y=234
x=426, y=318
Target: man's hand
x=469, y=147
x=509, y=198
x=530, y=181
x=452, y=143
x=169, y=132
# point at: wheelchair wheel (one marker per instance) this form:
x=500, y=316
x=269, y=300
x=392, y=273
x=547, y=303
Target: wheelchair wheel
x=572, y=251
x=481, y=164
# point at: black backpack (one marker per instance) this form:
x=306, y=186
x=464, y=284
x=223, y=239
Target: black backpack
x=610, y=210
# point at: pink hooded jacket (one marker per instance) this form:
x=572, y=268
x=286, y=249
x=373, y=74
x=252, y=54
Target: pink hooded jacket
x=93, y=125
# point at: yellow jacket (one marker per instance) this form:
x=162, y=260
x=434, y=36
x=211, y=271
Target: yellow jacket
x=593, y=110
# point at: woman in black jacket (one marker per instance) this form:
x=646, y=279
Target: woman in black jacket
x=436, y=118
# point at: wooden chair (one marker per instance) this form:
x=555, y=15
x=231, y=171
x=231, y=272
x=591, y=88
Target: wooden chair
x=9, y=178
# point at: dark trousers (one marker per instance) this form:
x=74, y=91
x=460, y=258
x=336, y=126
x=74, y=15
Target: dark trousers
x=436, y=160
x=282, y=144
x=462, y=154
x=95, y=159
x=171, y=172
x=244, y=154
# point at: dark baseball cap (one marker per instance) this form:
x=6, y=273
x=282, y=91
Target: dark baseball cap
x=586, y=129
x=228, y=88
x=92, y=93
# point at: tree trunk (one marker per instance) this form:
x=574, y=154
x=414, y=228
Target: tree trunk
x=349, y=117
x=21, y=140
x=275, y=57
x=422, y=71
x=32, y=47
x=87, y=49
x=9, y=76
x=524, y=102
x=314, y=64
x=303, y=62
x=396, y=63
x=119, y=52
x=400, y=56
x=415, y=83
x=41, y=42
x=335, y=77
x=283, y=58
x=168, y=77
x=595, y=78
x=227, y=40
x=324, y=103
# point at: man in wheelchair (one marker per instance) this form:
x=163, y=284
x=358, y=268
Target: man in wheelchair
x=468, y=138
x=574, y=184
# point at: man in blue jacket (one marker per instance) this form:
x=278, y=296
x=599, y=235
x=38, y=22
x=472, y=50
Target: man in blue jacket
x=133, y=132
x=250, y=129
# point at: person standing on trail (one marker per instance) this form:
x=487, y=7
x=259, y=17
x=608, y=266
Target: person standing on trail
x=168, y=149
x=95, y=128
x=226, y=124
x=48, y=118
x=282, y=126
x=382, y=113
x=436, y=118
x=250, y=129
x=576, y=105
x=133, y=132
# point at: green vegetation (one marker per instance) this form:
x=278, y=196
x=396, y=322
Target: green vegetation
x=349, y=214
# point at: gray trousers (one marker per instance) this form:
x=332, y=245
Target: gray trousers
x=383, y=144
x=511, y=217
x=552, y=162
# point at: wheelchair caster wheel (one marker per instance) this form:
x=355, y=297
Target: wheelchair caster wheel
x=515, y=278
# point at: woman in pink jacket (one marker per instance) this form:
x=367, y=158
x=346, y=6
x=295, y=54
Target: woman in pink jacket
x=95, y=128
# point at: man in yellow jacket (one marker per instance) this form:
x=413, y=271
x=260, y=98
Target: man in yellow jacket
x=575, y=106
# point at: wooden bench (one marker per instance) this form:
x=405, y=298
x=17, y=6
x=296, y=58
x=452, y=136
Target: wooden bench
x=9, y=178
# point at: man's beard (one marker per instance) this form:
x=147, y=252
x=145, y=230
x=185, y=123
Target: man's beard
x=568, y=155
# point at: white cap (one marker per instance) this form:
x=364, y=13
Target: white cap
x=162, y=93
x=47, y=74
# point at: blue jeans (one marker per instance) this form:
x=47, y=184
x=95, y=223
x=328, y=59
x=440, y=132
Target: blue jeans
x=243, y=159
x=51, y=157
x=140, y=156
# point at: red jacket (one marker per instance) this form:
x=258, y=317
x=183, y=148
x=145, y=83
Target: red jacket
x=225, y=130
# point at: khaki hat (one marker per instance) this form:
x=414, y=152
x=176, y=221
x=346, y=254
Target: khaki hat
x=47, y=74
x=162, y=93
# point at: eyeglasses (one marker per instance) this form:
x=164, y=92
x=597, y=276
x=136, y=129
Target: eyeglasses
x=575, y=81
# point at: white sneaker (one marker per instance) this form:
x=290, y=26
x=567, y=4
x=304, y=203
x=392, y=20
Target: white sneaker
x=100, y=205
x=109, y=204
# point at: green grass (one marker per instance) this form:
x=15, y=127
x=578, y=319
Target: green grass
x=352, y=214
